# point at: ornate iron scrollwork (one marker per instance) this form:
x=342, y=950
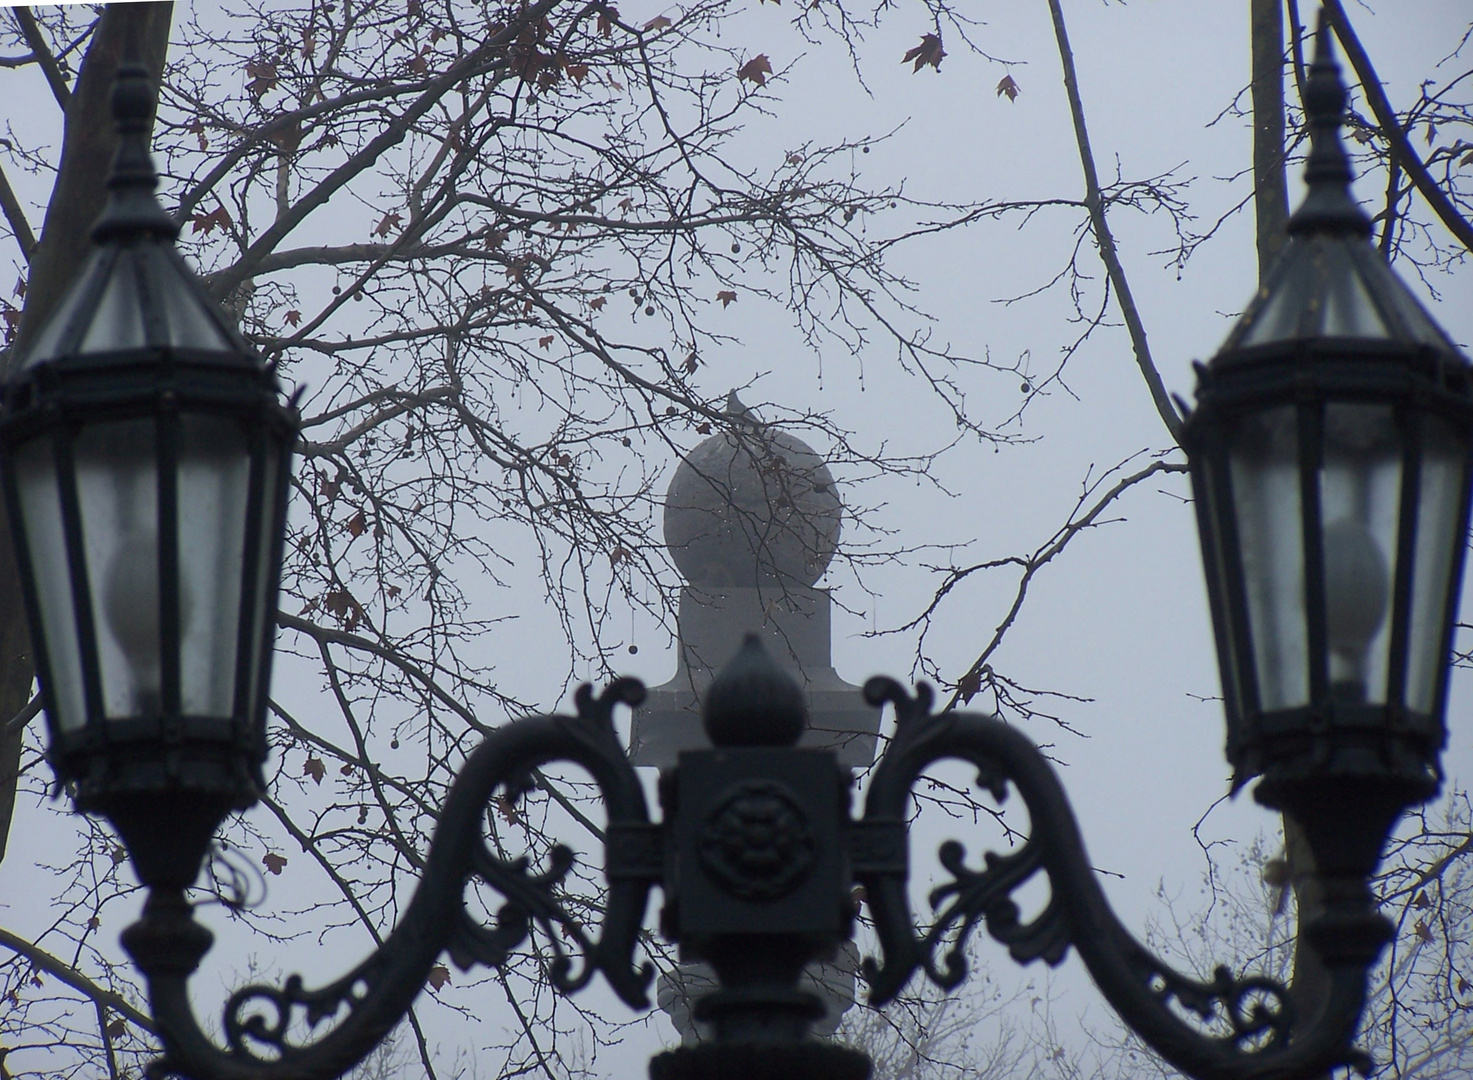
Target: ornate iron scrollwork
x=1258, y=1032
x=370, y=999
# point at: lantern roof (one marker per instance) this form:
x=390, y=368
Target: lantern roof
x=136, y=291
x=1329, y=282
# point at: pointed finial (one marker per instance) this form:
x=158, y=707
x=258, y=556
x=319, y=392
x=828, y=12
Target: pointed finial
x=132, y=210
x=753, y=702
x=1329, y=206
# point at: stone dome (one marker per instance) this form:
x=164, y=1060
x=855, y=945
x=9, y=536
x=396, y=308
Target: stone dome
x=752, y=506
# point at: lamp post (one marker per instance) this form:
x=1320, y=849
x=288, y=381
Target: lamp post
x=145, y=453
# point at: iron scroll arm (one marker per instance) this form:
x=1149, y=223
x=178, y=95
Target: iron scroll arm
x=167, y=943
x=1262, y=1037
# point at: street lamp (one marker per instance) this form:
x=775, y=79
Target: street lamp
x=145, y=463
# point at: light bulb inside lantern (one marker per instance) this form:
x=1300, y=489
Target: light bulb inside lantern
x=1357, y=584
x=131, y=603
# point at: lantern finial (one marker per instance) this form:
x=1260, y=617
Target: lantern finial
x=132, y=210
x=1329, y=206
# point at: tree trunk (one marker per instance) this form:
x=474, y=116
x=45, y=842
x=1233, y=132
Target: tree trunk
x=1270, y=186
x=87, y=150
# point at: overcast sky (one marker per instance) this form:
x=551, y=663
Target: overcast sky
x=1121, y=619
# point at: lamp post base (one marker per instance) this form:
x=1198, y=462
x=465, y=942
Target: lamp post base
x=808, y=1060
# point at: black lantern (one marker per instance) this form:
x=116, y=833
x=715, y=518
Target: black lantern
x=1330, y=462
x=146, y=455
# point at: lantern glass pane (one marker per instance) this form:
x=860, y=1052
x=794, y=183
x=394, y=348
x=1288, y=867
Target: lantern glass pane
x=188, y=324
x=267, y=530
x=1211, y=493
x=1280, y=318
x=118, y=322
x=40, y=500
x=1360, y=498
x=214, y=467
x=1439, y=535
x=117, y=488
x=1264, y=461
x=1349, y=310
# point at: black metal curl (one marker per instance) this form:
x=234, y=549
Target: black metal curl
x=1260, y=1034
x=368, y=1001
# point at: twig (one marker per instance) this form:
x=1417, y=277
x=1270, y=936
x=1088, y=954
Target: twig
x=1106, y=240
x=1401, y=147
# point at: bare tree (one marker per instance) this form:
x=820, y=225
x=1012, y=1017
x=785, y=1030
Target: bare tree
x=495, y=241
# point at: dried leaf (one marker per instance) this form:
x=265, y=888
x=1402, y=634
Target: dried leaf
x=618, y=555
x=703, y=429
x=93, y=923
x=389, y=223
x=263, y=78
x=293, y=317
x=692, y=362
x=544, y=342
x=659, y=22
x=929, y=51
x=315, y=769
x=439, y=976
x=207, y=223
x=119, y=853
x=117, y=1029
x=606, y=19
x=598, y=302
x=357, y=525
x=756, y=70
x=626, y=204
x=1422, y=932
x=1009, y=88
x=726, y=296
x=971, y=683
x=274, y=862
x=577, y=72
x=1421, y=902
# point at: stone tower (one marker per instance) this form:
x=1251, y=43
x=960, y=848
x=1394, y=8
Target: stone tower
x=752, y=519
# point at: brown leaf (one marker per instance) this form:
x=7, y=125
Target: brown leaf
x=347, y=769
x=756, y=70
x=691, y=363
x=626, y=204
x=598, y=302
x=659, y=22
x=1420, y=929
x=1009, y=88
x=207, y=223
x=544, y=342
x=119, y=853
x=703, y=429
x=357, y=525
x=726, y=296
x=293, y=317
x=263, y=78
x=606, y=19
x=274, y=862
x=117, y=1028
x=929, y=51
x=389, y=223
x=970, y=684
x=618, y=555
x=93, y=923
x=315, y=769
x=577, y=72
x=1421, y=902
x=507, y=808
x=439, y=976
